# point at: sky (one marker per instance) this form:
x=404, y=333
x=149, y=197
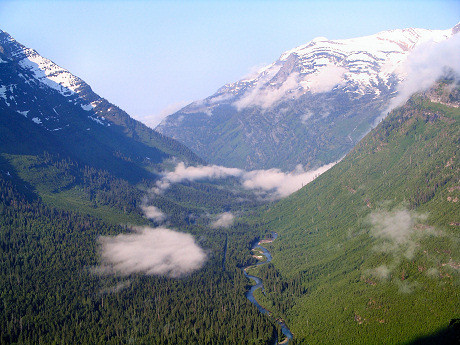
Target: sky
x=152, y=57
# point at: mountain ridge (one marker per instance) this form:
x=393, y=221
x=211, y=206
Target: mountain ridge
x=31, y=67
x=309, y=107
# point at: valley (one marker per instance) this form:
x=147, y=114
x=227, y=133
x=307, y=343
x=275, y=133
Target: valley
x=319, y=216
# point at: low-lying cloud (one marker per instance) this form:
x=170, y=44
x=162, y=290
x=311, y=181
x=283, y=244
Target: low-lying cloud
x=273, y=182
x=265, y=95
x=265, y=92
x=325, y=79
x=281, y=184
x=397, y=232
x=151, y=251
x=380, y=272
x=224, y=220
x=154, y=213
x=184, y=173
x=424, y=65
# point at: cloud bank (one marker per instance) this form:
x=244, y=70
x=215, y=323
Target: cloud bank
x=266, y=92
x=281, y=184
x=424, y=65
x=273, y=182
x=151, y=251
x=183, y=173
x=224, y=220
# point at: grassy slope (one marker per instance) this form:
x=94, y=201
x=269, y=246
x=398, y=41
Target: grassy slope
x=409, y=162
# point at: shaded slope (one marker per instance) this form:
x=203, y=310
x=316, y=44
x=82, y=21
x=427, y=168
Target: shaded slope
x=72, y=116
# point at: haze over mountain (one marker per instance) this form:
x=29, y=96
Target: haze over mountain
x=309, y=107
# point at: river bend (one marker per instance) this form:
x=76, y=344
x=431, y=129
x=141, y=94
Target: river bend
x=259, y=285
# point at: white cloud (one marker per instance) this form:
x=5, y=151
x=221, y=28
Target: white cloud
x=380, y=272
x=255, y=71
x=264, y=94
x=281, y=184
x=184, y=173
x=325, y=79
x=424, y=65
x=396, y=226
x=154, y=213
x=224, y=220
x=275, y=183
x=406, y=287
x=307, y=114
x=152, y=251
x=398, y=232
x=117, y=288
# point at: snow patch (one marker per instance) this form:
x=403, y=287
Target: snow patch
x=50, y=74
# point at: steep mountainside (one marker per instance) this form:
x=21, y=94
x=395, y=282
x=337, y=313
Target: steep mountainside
x=309, y=107
x=368, y=252
x=68, y=115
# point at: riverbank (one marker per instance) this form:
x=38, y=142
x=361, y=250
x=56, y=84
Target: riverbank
x=259, y=285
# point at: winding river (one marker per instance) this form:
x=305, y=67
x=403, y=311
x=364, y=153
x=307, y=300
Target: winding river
x=259, y=284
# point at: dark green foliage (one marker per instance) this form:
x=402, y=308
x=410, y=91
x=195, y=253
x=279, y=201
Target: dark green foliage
x=49, y=292
x=336, y=280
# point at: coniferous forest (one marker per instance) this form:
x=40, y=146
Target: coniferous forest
x=366, y=253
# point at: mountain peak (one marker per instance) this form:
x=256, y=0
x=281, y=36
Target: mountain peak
x=327, y=92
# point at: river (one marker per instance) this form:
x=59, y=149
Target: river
x=259, y=285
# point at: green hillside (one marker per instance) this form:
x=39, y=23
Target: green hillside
x=368, y=253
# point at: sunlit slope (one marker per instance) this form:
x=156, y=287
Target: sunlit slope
x=369, y=251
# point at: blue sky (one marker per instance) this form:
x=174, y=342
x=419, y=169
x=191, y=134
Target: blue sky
x=148, y=57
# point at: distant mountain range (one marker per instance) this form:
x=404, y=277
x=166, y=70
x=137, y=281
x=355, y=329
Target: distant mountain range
x=309, y=107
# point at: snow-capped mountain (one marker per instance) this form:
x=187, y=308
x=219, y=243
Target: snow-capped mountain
x=308, y=107
x=66, y=116
x=36, y=70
